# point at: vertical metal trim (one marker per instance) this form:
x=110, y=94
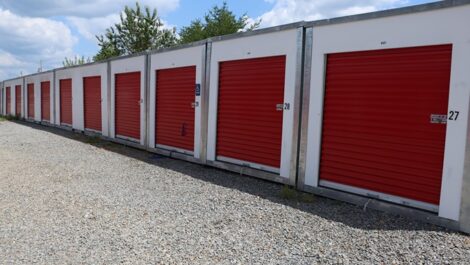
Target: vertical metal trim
x=1, y=98
x=205, y=89
x=148, y=66
x=83, y=102
x=108, y=96
x=297, y=104
x=305, y=108
x=23, y=99
x=52, y=87
x=464, y=218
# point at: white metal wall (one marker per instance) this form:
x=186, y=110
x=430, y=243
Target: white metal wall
x=77, y=74
x=36, y=80
x=129, y=65
x=420, y=29
x=193, y=56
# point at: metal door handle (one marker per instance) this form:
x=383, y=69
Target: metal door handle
x=194, y=104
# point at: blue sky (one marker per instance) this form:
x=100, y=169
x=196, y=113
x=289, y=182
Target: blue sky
x=46, y=31
x=183, y=16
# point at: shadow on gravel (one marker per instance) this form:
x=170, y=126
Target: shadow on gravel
x=335, y=211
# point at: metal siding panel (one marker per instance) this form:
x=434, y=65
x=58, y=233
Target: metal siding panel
x=377, y=133
x=65, y=86
x=46, y=101
x=174, y=114
x=8, y=99
x=127, y=101
x=249, y=128
x=92, y=102
x=18, y=100
x=30, y=101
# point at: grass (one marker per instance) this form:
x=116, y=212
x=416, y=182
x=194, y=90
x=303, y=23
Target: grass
x=9, y=118
x=289, y=193
x=93, y=140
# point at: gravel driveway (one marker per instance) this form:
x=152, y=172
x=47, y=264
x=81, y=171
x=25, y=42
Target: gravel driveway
x=67, y=199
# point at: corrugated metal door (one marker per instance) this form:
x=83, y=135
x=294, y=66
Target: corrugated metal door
x=92, y=102
x=65, y=86
x=249, y=125
x=175, y=112
x=30, y=88
x=18, y=100
x=8, y=100
x=46, y=101
x=377, y=129
x=127, y=100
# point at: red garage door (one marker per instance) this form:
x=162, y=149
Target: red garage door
x=65, y=86
x=175, y=113
x=92, y=102
x=377, y=129
x=8, y=100
x=30, y=101
x=128, y=105
x=45, y=101
x=249, y=126
x=18, y=101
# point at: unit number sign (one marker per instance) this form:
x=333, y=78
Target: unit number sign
x=453, y=115
x=442, y=119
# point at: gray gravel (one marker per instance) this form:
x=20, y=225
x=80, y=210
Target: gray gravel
x=67, y=199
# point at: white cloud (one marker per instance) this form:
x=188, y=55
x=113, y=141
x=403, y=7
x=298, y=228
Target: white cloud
x=8, y=59
x=26, y=41
x=81, y=8
x=287, y=11
x=90, y=27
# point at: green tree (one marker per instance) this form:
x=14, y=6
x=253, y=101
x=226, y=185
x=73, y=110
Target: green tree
x=77, y=60
x=139, y=30
x=219, y=21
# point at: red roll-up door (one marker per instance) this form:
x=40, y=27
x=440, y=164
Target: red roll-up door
x=127, y=100
x=377, y=130
x=174, y=112
x=8, y=100
x=249, y=127
x=18, y=100
x=46, y=101
x=30, y=101
x=65, y=86
x=92, y=102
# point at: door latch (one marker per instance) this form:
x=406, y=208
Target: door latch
x=194, y=104
x=438, y=119
x=283, y=106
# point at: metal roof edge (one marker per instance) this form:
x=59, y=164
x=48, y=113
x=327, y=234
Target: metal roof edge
x=14, y=79
x=178, y=47
x=39, y=73
x=389, y=12
x=257, y=32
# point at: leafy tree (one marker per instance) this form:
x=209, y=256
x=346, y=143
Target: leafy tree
x=139, y=30
x=219, y=21
x=108, y=44
x=77, y=60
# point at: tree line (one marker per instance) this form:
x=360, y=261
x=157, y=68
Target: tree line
x=141, y=29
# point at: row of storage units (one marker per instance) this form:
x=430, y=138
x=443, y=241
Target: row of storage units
x=371, y=106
